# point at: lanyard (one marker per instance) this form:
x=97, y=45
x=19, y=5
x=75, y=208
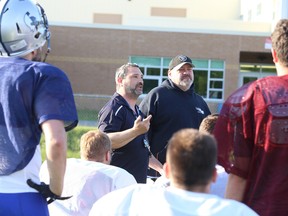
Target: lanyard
x=146, y=144
x=145, y=141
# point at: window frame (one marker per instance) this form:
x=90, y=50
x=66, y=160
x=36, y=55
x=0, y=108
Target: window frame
x=209, y=69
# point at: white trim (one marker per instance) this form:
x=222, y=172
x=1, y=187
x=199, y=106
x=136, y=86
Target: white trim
x=118, y=110
x=265, y=32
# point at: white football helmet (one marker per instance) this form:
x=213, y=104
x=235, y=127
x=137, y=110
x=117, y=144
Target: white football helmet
x=23, y=27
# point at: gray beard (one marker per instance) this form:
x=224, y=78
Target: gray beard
x=185, y=83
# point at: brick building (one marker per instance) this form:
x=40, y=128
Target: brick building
x=227, y=51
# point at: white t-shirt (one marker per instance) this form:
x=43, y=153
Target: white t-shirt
x=143, y=199
x=86, y=181
x=217, y=188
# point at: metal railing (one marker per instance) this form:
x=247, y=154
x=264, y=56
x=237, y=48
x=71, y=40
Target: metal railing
x=88, y=107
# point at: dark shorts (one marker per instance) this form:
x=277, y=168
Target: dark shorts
x=23, y=204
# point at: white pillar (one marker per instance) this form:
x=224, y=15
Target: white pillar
x=284, y=9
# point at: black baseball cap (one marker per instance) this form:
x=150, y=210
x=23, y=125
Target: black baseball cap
x=178, y=61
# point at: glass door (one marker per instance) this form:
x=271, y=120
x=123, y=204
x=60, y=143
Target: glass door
x=252, y=72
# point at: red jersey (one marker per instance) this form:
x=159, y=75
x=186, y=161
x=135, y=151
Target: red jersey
x=252, y=136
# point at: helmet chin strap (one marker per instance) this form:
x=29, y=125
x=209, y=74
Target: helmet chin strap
x=48, y=49
x=46, y=54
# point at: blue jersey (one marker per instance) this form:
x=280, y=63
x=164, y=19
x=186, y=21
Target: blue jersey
x=31, y=93
x=117, y=116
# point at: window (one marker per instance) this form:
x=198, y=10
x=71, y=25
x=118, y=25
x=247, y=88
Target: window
x=154, y=69
x=251, y=72
x=259, y=9
x=249, y=15
x=107, y=18
x=209, y=78
x=168, y=12
x=208, y=75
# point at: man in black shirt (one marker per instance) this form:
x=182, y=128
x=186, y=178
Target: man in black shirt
x=126, y=126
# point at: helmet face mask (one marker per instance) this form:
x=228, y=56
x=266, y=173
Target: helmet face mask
x=23, y=27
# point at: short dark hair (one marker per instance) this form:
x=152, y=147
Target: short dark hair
x=192, y=157
x=122, y=71
x=208, y=123
x=279, y=38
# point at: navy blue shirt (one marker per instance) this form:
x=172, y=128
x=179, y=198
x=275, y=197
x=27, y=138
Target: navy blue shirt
x=117, y=116
x=30, y=94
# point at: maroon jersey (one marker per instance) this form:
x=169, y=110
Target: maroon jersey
x=252, y=136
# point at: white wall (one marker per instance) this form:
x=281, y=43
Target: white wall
x=82, y=10
x=222, y=16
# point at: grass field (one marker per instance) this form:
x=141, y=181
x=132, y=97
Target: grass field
x=90, y=115
x=73, y=139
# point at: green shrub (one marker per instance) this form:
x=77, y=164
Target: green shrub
x=73, y=140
